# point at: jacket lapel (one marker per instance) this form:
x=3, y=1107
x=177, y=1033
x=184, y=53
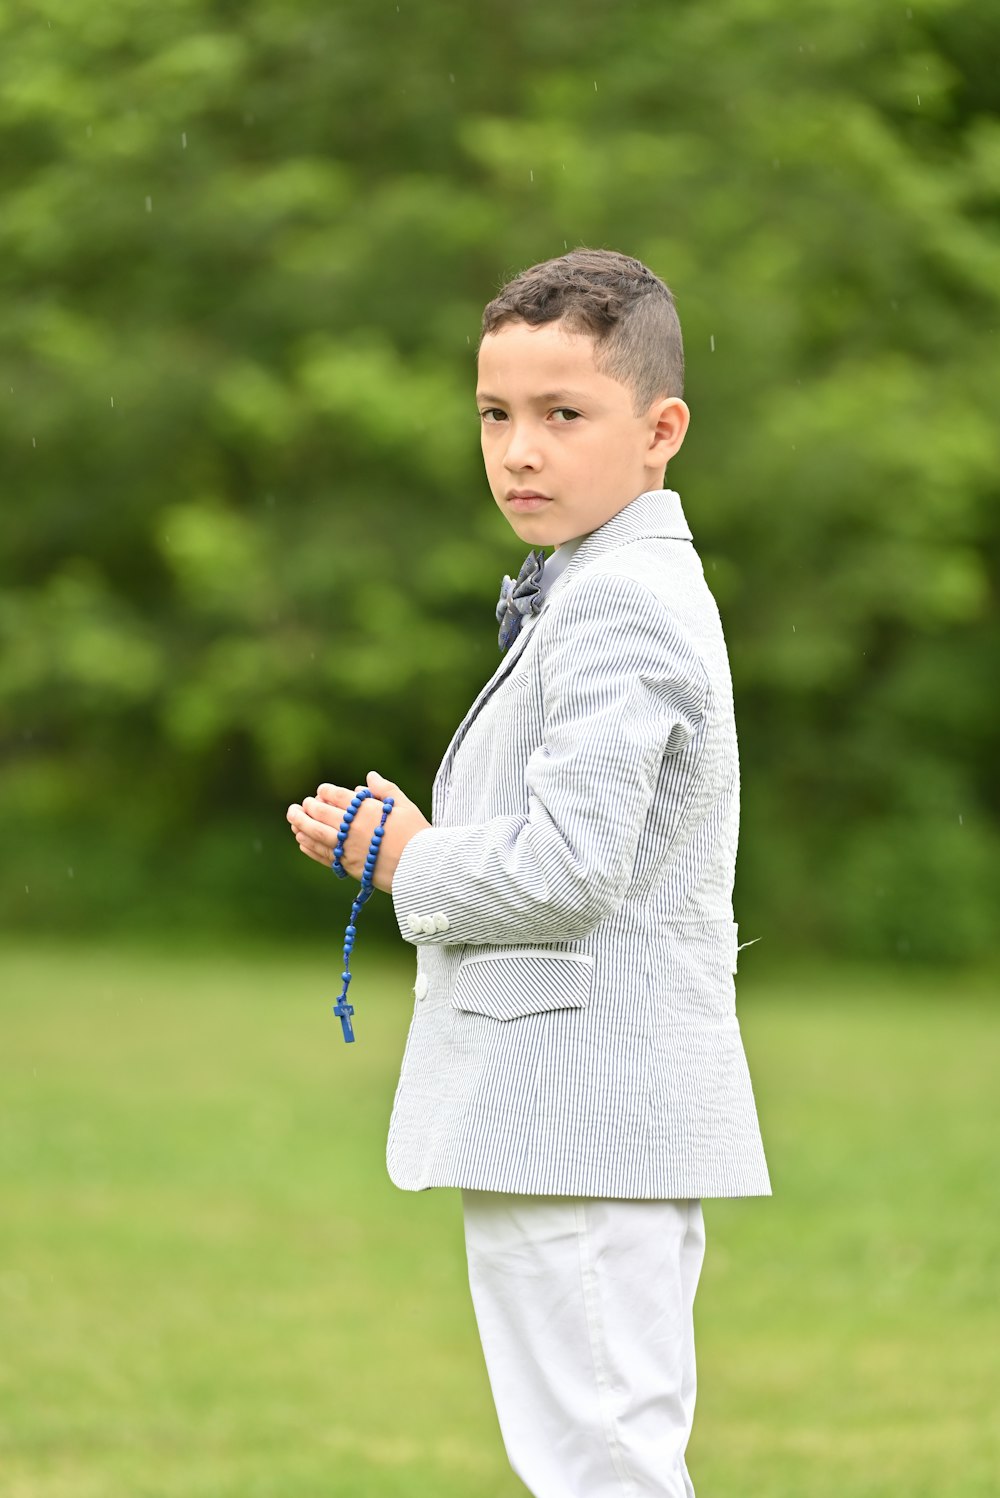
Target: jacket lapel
x=657, y=513
x=507, y=661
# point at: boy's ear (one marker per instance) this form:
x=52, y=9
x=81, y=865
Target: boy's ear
x=668, y=423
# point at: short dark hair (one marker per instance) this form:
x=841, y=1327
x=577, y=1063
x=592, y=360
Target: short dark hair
x=627, y=310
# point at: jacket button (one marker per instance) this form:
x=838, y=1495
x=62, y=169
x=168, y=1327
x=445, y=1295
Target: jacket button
x=428, y=925
x=415, y=922
x=441, y=921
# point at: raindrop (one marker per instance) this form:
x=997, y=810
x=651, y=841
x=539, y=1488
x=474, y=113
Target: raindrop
x=711, y=340
x=793, y=629
x=451, y=78
x=184, y=139
x=960, y=822
x=70, y=874
x=149, y=205
x=595, y=85
x=33, y=442
x=531, y=174
x=25, y=889
x=918, y=101
x=112, y=403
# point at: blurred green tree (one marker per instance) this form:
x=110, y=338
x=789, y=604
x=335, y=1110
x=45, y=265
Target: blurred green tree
x=246, y=541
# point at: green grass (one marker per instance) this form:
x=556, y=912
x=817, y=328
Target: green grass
x=209, y=1289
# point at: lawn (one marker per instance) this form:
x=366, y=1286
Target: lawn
x=209, y=1289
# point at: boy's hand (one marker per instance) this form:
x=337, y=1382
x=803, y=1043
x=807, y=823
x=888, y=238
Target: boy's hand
x=316, y=824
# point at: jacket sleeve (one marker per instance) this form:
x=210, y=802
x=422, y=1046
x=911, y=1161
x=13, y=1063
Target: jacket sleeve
x=622, y=688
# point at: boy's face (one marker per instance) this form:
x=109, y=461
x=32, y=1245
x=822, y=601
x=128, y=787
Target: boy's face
x=555, y=428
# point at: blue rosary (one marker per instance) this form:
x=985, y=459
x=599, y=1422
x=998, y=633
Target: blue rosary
x=342, y=1009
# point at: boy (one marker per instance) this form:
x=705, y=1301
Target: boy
x=574, y=1063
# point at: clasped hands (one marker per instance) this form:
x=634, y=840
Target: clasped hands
x=316, y=823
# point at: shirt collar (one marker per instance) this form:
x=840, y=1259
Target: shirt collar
x=556, y=564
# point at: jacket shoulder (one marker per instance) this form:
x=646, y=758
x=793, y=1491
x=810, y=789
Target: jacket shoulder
x=653, y=580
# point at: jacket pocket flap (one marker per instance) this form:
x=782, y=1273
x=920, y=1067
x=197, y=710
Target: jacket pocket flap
x=523, y=980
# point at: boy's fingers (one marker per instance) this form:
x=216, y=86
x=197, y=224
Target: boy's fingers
x=322, y=811
x=318, y=855
x=380, y=787
x=336, y=795
x=318, y=823
x=314, y=848
x=341, y=797
x=311, y=834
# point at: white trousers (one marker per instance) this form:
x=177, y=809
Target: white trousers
x=585, y=1312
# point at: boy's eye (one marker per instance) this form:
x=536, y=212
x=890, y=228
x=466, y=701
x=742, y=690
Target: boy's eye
x=565, y=413
x=493, y=413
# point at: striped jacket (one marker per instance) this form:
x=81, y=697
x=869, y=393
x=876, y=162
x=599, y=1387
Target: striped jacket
x=574, y=1030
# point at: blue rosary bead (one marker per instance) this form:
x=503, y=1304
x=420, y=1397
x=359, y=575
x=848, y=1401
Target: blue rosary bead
x=345, y=828
x=342, y=1009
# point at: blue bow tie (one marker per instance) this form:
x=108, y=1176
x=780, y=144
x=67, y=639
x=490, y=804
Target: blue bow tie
x=520, y=597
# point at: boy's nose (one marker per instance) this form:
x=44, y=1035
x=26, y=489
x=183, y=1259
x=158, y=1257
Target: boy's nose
x=522, y=452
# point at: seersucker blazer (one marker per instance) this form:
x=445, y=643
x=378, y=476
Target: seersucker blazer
x=574, y=1027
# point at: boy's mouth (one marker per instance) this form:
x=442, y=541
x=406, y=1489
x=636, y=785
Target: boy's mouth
x=527, y=499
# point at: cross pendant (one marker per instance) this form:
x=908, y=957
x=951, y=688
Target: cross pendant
x=344, y=1010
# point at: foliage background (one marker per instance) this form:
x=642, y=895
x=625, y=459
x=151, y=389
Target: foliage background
x=245, y=541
